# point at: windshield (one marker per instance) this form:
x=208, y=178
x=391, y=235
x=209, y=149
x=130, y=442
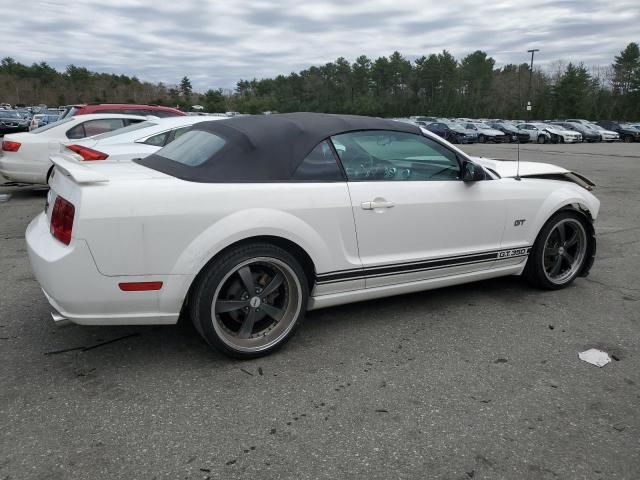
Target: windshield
x=458, y=126
x=120, y=131
x=6, y=114
x=482, y=125
x=51, y=125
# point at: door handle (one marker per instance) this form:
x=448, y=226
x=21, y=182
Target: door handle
x=376, y=204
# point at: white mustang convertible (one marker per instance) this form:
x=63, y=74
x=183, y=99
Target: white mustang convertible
x=246, y=224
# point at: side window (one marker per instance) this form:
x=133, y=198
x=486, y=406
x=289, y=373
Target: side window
x=157, y=140
x=131, y=121
x=319, y=166
x=378, y=155
x=96, y=127
x=76, y=132
x=178, y=132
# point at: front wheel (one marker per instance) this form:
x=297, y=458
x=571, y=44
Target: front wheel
x=542, y=139
x=249, y=301
x=559, y=252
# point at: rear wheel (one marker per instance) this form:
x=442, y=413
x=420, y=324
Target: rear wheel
x=249, y=302
x=559, y=253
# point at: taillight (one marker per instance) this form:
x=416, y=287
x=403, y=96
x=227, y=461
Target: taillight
x=9, y=146
x=87, y=153
x=62, y=220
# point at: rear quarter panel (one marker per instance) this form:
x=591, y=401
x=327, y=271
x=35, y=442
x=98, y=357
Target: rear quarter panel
x=171, y=226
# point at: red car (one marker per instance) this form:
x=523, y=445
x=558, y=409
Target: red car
x=125, y=108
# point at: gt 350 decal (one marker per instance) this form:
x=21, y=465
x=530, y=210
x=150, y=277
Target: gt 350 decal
x=514, y=252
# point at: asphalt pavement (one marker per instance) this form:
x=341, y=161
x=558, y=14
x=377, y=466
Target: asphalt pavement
x=480, y=381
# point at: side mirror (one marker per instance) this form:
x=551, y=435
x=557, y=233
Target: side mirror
x=472, y=172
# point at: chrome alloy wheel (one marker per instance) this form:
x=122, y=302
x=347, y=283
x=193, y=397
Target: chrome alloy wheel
x=564, y=250
x=256, y=304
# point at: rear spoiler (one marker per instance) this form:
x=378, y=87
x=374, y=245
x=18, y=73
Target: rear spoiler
x=77, y=171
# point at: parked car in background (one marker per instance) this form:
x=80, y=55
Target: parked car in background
x=135, y=141
x=452, y=132
x=25, y=156
x=247, y=223
x=11, y=122
x=42, y=119
x=544, y=133
x=588, y=134
x=425, y=120
x=626, y=132
x=123, y=108
x=24, y=113
x=607, y=135
x=537, y=135
x=485, y=132
x=512, y=133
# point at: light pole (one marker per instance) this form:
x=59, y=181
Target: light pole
x=532, y=52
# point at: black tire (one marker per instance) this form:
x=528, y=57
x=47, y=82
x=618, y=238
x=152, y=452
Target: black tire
x=542, y=139
x=628, y=139
x=482, y=138
x=223, y=285
x=541, y=257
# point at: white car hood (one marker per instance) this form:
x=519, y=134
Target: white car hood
x=506, y=168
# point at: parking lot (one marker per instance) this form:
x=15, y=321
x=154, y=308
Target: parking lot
x=478, y=381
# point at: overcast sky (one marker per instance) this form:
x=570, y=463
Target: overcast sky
x=217, y=42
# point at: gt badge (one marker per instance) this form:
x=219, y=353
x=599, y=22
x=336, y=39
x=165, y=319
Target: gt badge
x=519, y=223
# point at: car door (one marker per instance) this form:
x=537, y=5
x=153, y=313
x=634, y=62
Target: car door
x=415, y=218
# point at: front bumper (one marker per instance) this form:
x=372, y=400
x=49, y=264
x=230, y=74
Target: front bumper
x=78, y=292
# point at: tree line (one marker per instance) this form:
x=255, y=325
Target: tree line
x=393, y=86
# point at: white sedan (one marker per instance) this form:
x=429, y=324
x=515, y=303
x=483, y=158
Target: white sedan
x=545, y=133
x=246, y=224
x=134, y=141
x=25, y=156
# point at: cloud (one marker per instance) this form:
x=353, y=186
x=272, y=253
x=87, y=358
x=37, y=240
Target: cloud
x=217, y=43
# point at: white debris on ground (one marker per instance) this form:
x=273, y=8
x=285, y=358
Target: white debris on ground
x=595, y=357
x=4, y=197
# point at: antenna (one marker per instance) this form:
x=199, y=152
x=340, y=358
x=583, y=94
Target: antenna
x=517, y=177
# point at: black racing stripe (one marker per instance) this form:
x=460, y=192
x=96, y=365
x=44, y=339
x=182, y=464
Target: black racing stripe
x=391, y=273
x=387, y=270
x=360, y=270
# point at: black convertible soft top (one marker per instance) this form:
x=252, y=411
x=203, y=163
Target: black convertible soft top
x=266, y=148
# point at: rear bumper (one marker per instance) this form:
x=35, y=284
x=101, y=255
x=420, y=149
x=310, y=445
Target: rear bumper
x=79, y=293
